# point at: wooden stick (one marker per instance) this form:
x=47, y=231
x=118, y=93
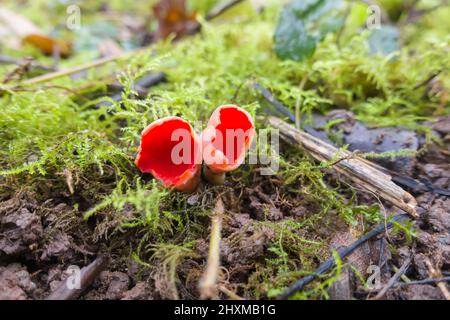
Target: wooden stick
x=9, y=60
x=221, y=8
x=208, y=283
x=359, y=170
x=67, y=72
x=421, y=282
x=411, y=283
x=87, y=276
x=229, y=293
x=394, y=279
x=437, y=274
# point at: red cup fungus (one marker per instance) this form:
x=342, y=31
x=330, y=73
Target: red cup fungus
x=225, y=141
x=171, y=151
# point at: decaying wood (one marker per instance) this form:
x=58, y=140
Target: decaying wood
x=208, y=283
x=87, y=276
x=357, y=169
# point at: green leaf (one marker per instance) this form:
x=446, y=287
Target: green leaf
x=303, y=23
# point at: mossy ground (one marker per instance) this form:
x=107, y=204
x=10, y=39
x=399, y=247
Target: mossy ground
x=54, y=137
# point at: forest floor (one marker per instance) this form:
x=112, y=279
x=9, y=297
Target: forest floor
x=70, y=192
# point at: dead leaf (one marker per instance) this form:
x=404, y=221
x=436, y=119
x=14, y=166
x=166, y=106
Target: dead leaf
x=173, y=18
x=16, y=30
x=48, y=45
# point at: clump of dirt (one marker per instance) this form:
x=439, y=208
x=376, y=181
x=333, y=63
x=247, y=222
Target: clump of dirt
x=141, y=291
x=16, y=283
x=110, y=286
x=41, y=241
x=442, y=125
x=420, y=292
x=59, y=246
x=21, y=228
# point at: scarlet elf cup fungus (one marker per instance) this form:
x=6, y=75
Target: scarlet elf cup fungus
x=171, y=151
x=225, y=141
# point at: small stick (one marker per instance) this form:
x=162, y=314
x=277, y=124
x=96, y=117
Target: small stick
x=221, y=8
x=9, y=60
x=359, y=170
x=276, y=103
x=281, y=108
x=229, y=293
x=69, y=180
x=19, y=71
x=425, y=281
x=208, y=282
x=416, y=282
x=436, y=274
x=403, y=276
x=394, y=279
x=76, y=69
x=428, y=80
x=87, y=276
x=344, y=252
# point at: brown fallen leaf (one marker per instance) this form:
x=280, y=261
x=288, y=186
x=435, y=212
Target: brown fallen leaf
x=47, y=45
x=173, y=18
x=16, y=30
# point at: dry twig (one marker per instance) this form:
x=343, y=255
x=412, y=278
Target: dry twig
x=221, y=8
x=229, y=293
x=425, y=281
x=394, y=279
x=208, y=282
x=87, y=276
x=411, y=283
x=437, y=274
